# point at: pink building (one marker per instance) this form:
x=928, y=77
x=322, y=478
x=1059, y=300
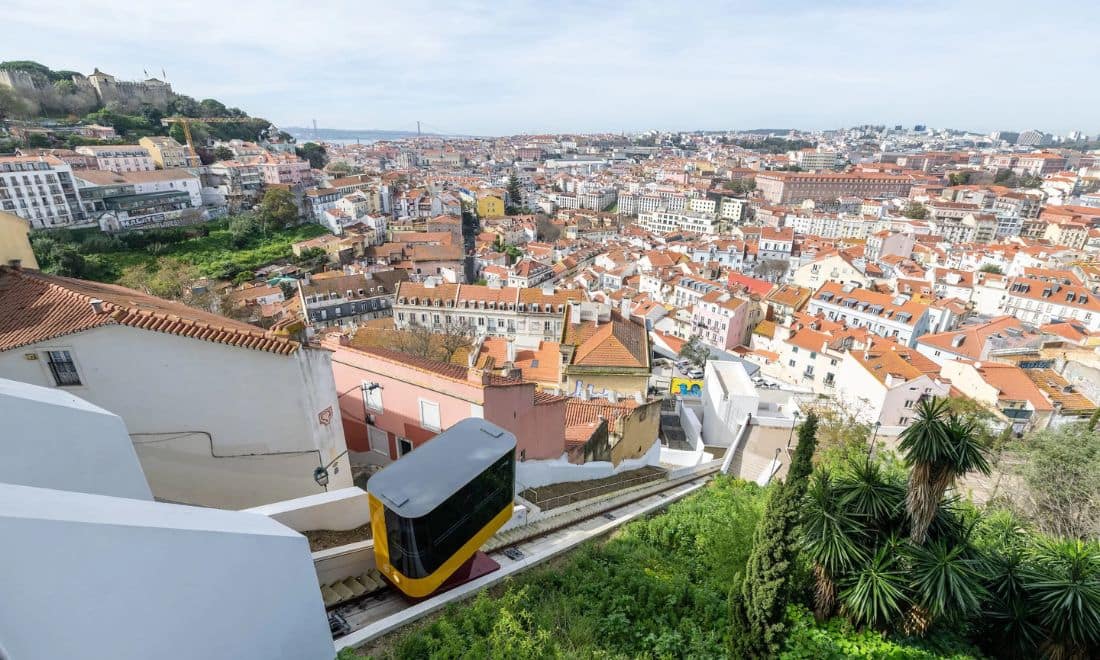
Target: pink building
x=725, y=321
x=284, y=168
x=393, y=402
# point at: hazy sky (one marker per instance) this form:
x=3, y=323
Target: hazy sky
x=549, y=66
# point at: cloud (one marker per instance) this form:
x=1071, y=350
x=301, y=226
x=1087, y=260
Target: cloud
x=493, y=68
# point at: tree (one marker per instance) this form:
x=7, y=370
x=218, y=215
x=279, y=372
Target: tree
x=314, y=153
x=760, y=615
x=277, y=209
x=771, y=269
x=1060, y=469
x=546, y=230
x=12, y=106
x=992, y=268
x=939, y=447
x=915, y=211
x=515, y=194
x=959, y=178
x=695, y=351
x=223, y=153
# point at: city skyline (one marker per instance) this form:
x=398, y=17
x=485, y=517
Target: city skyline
x=478, y=69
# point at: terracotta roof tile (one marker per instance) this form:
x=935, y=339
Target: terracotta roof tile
x=39, y=307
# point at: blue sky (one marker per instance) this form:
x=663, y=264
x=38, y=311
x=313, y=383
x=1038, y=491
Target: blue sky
x=513, y=67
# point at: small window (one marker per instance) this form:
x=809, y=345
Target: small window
x=62, y=368
x=429, y=416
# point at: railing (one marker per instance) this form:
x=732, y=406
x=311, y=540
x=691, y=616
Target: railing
x=589, y=493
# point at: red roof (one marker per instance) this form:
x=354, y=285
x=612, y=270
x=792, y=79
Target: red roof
x=39, y=307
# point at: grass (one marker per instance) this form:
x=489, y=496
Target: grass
x=658, y=588
x=213, y=253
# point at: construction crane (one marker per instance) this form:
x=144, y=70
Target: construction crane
x=185, y=122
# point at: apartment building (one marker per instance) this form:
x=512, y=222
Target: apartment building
x=662, y=221
x=884, y=383
x=338, y=300
x=1041, y=301
x=787, y=187
x=134, y=200
x=896, y=317
x=167, y=153
x=725, y=321
x=493, y=310
x=120, y=157
x=41, y=190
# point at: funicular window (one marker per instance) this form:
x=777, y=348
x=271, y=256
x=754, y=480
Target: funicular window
x=419, y=546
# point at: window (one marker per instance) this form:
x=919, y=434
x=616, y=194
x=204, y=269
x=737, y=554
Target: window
x=791, y=363
x=429, y=416
x=379, y=440
x=909, y=403
x=404, y=446
x=372, y=396
x=62, y=368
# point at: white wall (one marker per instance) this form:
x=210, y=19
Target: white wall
x=341, y=509
x=532, y=474
x=261, y=410
x=52, y=439
x=109, y=578
x=728, y=398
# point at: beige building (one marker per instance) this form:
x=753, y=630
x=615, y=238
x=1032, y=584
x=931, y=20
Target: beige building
x=15, y=245
x=167, y=153
x=787, y=187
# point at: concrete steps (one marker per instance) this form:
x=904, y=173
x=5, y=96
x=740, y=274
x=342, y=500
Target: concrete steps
x=349, y=588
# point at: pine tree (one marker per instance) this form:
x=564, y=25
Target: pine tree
x=759, y=619
x=515, y=195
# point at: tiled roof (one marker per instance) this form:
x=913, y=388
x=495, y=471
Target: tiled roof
x=39, y=307
x=616, y=343
x=580, y=411
x=445, y=369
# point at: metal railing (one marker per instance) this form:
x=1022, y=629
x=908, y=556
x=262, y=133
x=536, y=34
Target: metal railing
x=581, y=495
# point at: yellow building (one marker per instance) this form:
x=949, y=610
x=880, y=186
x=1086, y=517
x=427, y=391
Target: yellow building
x=167, y=153
x=15, y=245
x=490, y=206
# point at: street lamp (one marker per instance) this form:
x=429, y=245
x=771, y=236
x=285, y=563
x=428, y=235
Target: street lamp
x=870, y=449
x=320, y=475
x=791, y=436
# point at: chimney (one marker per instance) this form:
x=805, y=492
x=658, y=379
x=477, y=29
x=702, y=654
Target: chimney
x=307, y=279
x=97, y=305
x=477, y=376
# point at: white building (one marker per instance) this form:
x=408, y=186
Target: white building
x=662, y=221
x=887, y=316
x=120, y=157
x=729, y=397
x=885, y=382
x=41, y=190
x=221, y=413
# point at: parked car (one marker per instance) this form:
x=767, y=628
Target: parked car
x=695, y=373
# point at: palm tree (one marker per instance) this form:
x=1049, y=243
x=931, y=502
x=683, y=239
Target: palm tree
x=876, y=499
x=875, y=593
x=940, y=446
x=1063, y=588
x=830, y=537
x=945, y=579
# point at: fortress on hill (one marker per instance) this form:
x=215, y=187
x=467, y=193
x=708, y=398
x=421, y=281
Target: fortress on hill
x=103, y=87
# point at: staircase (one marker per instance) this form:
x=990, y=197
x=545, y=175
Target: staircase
x=350, y=588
